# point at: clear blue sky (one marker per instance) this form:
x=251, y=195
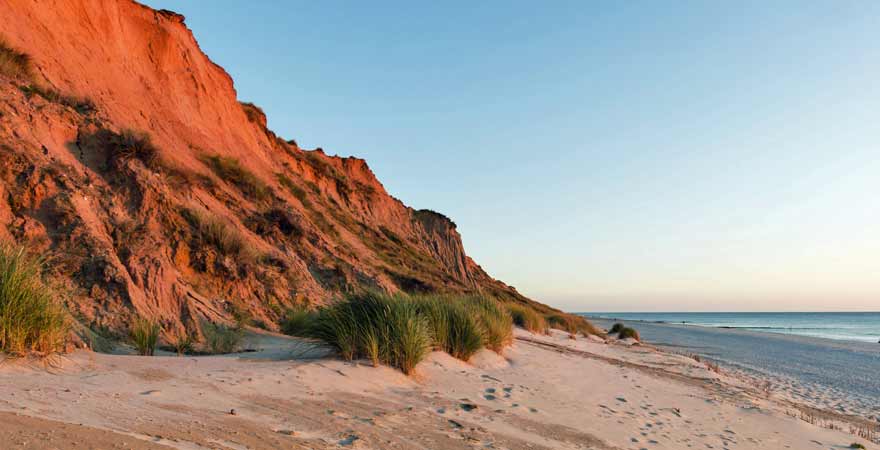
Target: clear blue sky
x=608, y=156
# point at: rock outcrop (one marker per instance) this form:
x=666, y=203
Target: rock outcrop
x=127, y=159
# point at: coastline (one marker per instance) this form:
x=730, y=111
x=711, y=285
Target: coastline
x=823, y=373
x=544, y=392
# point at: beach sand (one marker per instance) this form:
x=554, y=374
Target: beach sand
x=545, y=392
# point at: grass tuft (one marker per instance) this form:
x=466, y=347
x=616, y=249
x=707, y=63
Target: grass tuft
x=298, y=322
x=30, y=320
x=144, y=336
x=616, y=328
x=79, y=104
x=219, y=234
x=573, y=324
x=183, y=343
x=222, y=338
x=627, y=333
x=453, y=328
x=399, y=330
x=14, y=63
x=386, y=329
x=527, y=318
x=495, y=321
x=130, y=144
x=231, y=170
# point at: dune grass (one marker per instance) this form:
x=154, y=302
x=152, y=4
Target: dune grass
x=624, y=332
x=495, y=322
x=144, y=336
x=231, y=170
x=13, y=63
x=383, y=328
x=628, y=333
x=222, y=338
x=298, y=322
x=454, y=329
x=399, y=330
x=527, y=318
x=573, y=324
x=182, y=343
x=31, y=322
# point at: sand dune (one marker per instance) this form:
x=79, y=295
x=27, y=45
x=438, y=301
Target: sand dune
x=546, y=392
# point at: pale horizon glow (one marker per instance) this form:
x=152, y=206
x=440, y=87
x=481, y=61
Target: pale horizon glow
x=666, y=156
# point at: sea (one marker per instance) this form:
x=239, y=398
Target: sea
x=843, y=326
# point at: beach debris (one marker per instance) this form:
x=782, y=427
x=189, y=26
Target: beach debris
x=455, y=424
x=232, y=412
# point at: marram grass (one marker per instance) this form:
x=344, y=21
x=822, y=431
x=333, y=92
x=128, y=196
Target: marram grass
x=400, y=330
x=454, y=329
x=145, y=336
x=527, y=318
x=31, y=322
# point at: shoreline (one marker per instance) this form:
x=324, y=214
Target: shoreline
x=823, y=373
x=544, y=392
x=873, y=340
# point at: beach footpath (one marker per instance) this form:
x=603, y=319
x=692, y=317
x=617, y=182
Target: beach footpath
x=544, y=392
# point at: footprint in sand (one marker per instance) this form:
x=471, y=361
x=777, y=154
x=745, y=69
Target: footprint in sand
x=467, y=407
x=349, y=441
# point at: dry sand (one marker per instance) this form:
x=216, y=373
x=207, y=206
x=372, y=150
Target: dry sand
x=545, y=392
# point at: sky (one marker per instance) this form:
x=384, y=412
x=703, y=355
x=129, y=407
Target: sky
x=598, y=156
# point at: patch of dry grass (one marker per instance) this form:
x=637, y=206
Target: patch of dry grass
x=14, y=63
x=31, y=322
x=219, y=234
x=231, y=170
x=527, y=318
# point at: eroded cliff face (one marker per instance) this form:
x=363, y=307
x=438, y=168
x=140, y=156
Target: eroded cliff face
x=127, y=159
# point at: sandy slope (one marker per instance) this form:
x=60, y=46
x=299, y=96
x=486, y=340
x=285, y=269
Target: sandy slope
x=546, y=392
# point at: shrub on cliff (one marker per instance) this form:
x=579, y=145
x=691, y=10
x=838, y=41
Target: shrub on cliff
x=219, y=234
x=130, y=144
x=616, y=328
x=231, y=170
x=13, y=63
x=527, y=318
x=30, y=319
x=79, y=104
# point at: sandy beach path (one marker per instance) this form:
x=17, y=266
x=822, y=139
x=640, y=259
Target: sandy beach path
x=545, y=392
